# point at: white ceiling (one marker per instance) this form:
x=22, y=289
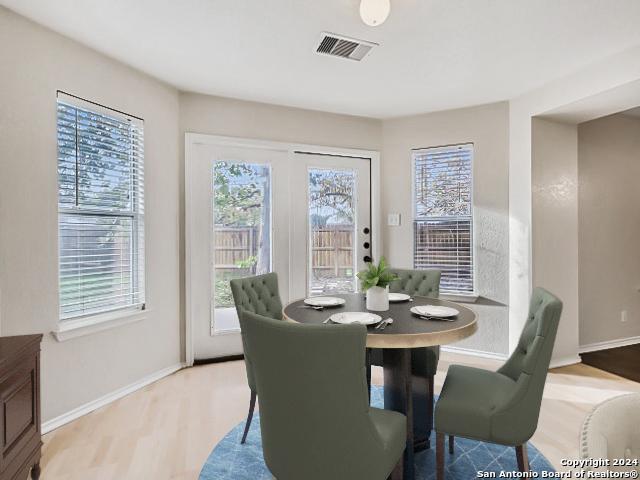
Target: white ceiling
x=434, y=54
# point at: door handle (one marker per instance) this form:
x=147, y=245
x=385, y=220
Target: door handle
x=366, y=259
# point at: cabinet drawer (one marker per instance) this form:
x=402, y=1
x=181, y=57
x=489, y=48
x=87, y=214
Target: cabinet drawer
x=19, y=409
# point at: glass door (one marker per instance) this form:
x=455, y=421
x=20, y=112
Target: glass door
x=240, y=197
x=331, y=232
x=241, y=232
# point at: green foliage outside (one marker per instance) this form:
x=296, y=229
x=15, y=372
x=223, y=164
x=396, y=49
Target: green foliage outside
x=241, y=199
x=239, y=193
x=223, y=297
x=331, y=194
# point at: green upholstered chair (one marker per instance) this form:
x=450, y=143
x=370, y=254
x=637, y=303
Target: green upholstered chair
x=259, y=295
x=424, y=361
x=501, y=407
x=315, y=419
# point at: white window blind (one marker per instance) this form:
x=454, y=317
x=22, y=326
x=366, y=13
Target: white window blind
x=443, y=215
x=100, y=209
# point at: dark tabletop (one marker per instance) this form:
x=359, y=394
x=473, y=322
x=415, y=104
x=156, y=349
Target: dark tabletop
x=406, y=331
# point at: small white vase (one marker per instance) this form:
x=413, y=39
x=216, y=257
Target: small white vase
x=378, y=299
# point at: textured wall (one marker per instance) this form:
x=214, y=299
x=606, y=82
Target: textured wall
x=487, y=127
x=554, y=177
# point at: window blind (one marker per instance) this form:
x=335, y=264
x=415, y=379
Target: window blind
x=443, y=215
x=100, y=209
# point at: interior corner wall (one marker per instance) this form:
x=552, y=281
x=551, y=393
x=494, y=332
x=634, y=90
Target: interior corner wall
x=36, y=63
x=609, y=228
x=487, y=127
x=612, y=72
x=554, y=178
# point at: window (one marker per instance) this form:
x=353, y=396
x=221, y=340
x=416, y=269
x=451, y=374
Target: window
x=443, y=215
x=100, y=209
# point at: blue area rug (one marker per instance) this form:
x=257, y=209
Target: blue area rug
x=232, y=461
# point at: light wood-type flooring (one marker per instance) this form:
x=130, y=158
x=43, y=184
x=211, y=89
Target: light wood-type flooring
x=167, y=430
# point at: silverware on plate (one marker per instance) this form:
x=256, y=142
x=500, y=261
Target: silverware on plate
x=437, y=319
x=314, y=307
x=387, y=323
x=383, y=324
x=378, y=324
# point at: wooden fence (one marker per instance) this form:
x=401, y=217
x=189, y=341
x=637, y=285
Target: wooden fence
x=234, y=245
x=331, y=251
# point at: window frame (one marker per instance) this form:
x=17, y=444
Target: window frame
x=112, y=315
x=451, y=295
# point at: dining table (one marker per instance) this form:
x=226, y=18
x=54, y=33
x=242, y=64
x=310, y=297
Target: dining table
x=407, y=331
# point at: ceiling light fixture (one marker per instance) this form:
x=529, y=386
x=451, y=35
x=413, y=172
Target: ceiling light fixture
x=374, y=12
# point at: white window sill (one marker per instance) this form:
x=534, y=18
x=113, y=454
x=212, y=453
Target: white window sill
x=457, y=297
x=80, y=327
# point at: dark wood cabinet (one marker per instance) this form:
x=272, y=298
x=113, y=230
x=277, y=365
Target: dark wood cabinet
x=20, y=403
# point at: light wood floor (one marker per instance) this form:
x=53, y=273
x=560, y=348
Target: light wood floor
x=167, y=430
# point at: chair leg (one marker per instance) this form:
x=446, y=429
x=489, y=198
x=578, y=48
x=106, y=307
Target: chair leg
x=522, y=457
x=252, y=405
x=368, y=366
x=451, y=444
x=398, y=472
x=430, y=409
x=439, y=456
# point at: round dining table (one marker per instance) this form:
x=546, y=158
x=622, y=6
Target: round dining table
x=408, y=331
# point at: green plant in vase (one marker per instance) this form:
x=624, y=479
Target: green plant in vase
x=375, y=281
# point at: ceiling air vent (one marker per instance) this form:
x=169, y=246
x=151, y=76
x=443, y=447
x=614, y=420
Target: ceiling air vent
x=345, y=47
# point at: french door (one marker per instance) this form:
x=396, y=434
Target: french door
x=255, y=210
x=330, y=223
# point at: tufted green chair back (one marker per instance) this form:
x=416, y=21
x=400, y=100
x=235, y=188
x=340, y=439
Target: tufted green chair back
x=259, y=295
x=314, y=411
x=516, y=419
x=424, y=283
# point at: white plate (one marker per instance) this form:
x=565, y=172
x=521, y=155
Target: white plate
x=364, y=318
x=434, y=311
x=324, y=301
x=399, y=297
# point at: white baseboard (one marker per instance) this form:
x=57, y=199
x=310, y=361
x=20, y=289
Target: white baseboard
x=560, y=362
x=621, y=342
x=78, y=412
x=564, y=361
x=475, y=353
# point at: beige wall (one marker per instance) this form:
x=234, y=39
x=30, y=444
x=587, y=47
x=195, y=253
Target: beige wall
x=609, y=228
x=488, y=128
x=35, y=63
x=554, y=177
x=239, y=118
